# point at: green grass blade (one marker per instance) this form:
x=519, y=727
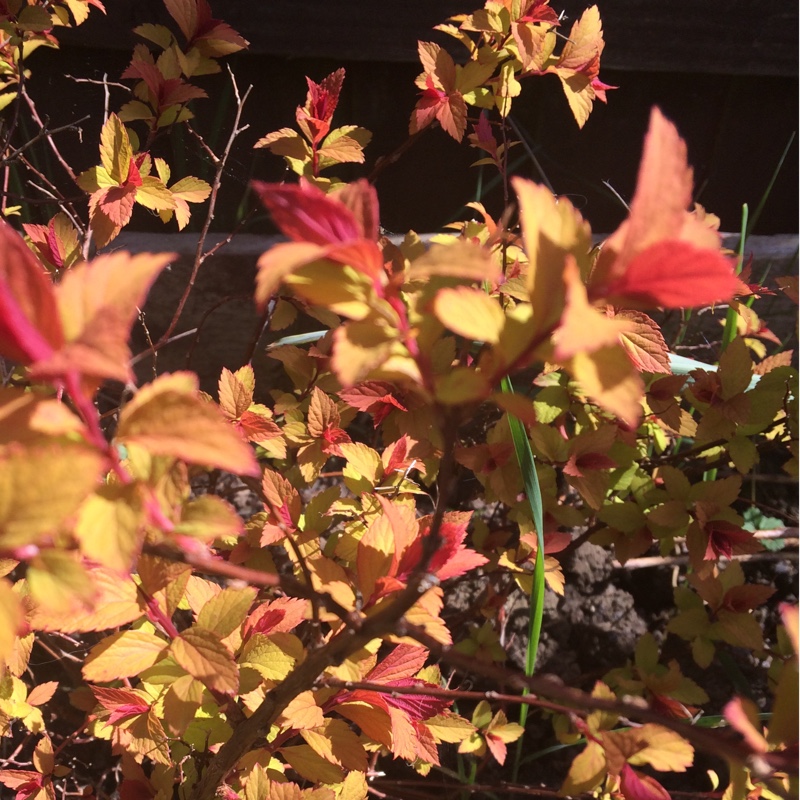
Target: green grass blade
x=729, y=334
x=522, y=447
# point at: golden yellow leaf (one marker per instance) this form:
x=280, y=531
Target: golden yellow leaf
x=460, y=259
x=303, y=713
x=470, y=312
x=337, y=743
x=109, y=526
x=117, y=602
x=41, y=487
x=551, y=229
x=273, y=656
x=609, y=379
x=122, y=655
x=205, y=657
x=12, y=620
x=167, y=417
x=224, y=613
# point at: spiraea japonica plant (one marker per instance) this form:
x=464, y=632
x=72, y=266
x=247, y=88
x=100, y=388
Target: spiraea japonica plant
x=306, y=649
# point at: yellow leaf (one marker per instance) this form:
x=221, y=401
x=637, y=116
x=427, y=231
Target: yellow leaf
x=586, y=772
x=582, y=328
x=117, y=602
x=27, y=417
x=353, y=787
x=205, y=657
x=460, y=259
x=224, y=613
x=462, y=385
x=449, y=727
x=181, y=703
x=362, y=348
x=236, y=390
x=41, y=487
x=167, y=417
x=12, y=621
x=97, y=304
x=334, y=741
x=376, y=554
x=122, y=655
x=109, y=526
x=209, y=517
x=115, y=149
x=58, y=580
x=273, y=656
x=551, y=229
x=306, y=763
x=664, y=749
x=609, y=379
x=303, y=712
x=470, y=312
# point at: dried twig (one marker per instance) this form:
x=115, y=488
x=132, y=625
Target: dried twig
x=219, y=164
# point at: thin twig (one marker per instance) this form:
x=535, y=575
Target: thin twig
x=670, y=561
x=43, y=133
x=38, y=120
x=219, y=163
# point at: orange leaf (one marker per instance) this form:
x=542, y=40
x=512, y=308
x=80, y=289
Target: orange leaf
x=644, y=343
x=97, y=304
x=662, y=255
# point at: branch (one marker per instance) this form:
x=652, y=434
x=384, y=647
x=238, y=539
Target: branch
x=718, y=743
x=347, y=641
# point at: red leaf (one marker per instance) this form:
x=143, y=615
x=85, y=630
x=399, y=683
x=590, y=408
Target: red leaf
x=404, y=661
x=416, y=706
x=674, y=274
x=30, y=326
x=373, y=397
x=636, y=786
x=306, y=214
x=453, y=558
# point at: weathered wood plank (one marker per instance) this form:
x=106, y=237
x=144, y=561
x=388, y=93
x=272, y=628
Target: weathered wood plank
x=737, y=37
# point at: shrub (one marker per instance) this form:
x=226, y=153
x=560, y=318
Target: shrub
x=292, y=651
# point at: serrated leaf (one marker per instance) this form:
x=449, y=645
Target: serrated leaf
x=224, y=613
x=41, y=487
x=201, y=653
x=273, y=656
x=167, y=417
x=470, y=312
x=644, y=343
x=123, y=655
x=116, y=152
x=109, y=526
x=97, y=304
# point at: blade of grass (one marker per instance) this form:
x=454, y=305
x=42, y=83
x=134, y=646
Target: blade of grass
x=530, y=479
x=729, y=334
